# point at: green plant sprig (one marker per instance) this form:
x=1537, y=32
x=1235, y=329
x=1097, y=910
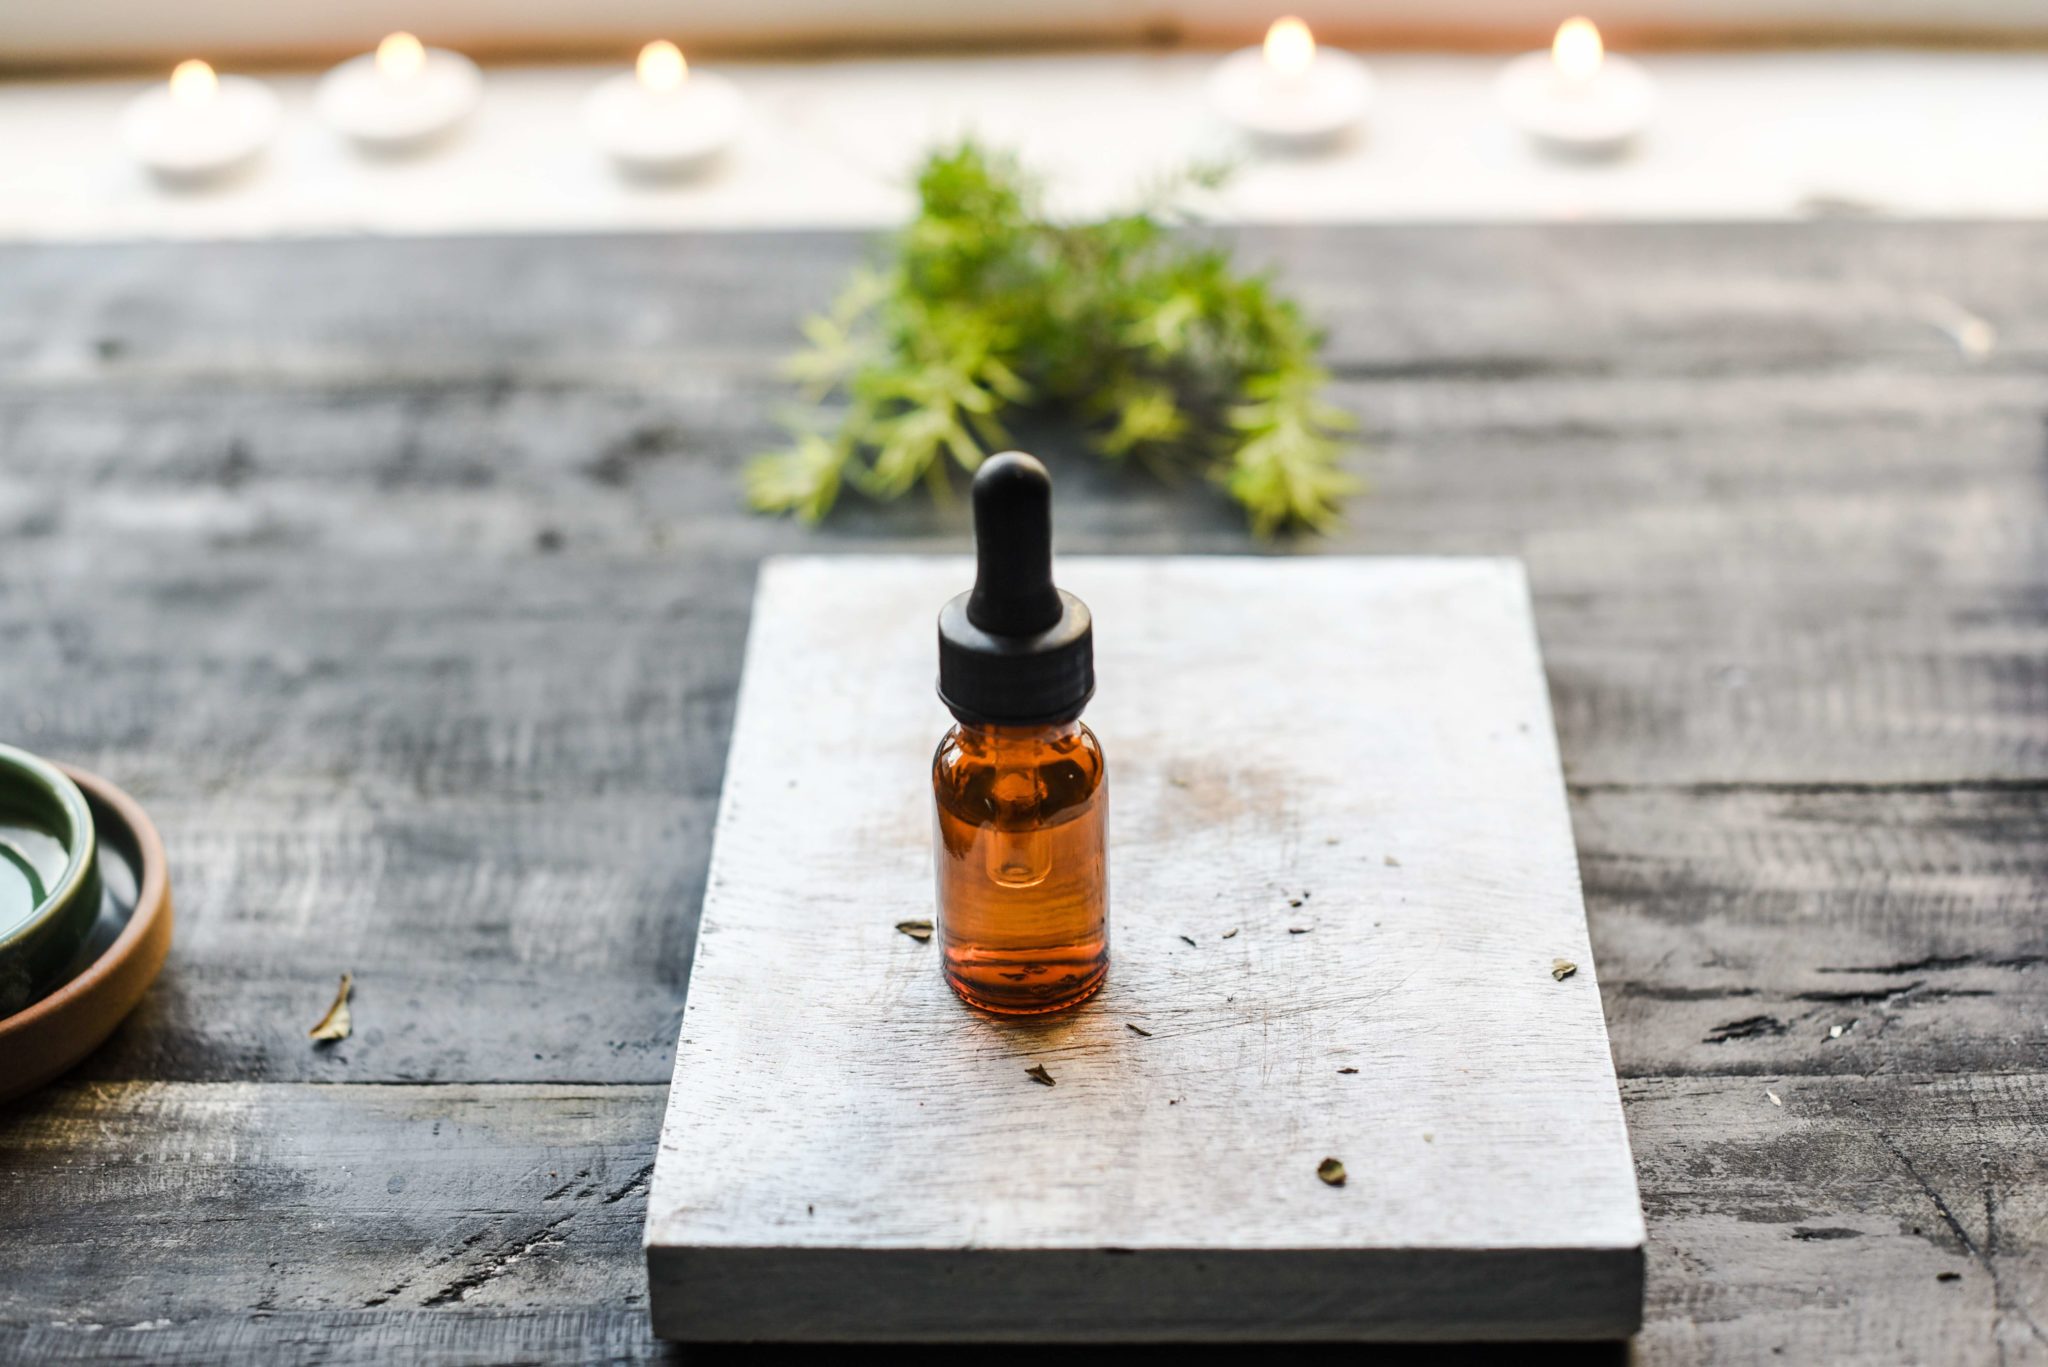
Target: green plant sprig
x=985, y=306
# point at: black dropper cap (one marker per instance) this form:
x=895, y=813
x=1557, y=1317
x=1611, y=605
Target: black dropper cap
x=1016, y=651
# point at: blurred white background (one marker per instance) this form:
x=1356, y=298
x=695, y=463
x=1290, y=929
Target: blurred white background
x=1767, y=109
x=41, y=31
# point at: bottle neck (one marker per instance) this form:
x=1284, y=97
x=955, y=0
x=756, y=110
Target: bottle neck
x=992, y=739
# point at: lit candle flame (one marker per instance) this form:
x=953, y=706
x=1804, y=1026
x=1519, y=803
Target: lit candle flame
x=661, y=67
x=1290, y=47
x=193, y=83
x=1577, y=49
x=400, y=57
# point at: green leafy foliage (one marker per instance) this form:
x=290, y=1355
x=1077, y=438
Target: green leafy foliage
x=985, y=306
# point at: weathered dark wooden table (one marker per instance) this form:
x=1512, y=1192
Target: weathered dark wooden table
x=405, y=582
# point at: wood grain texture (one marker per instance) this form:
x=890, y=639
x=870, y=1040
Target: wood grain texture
x=1820, y=931
x=391, y=575
x=1781, y=527
x=1853, y=1220
x=1821, y=1226
x=1338, y=841
x=285, y=1199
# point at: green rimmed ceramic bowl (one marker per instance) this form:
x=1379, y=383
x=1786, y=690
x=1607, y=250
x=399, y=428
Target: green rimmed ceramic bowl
x=49, y=877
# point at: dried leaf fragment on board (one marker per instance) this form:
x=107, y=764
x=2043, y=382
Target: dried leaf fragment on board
x=1331, y=1171
x=1036, y=1072
x=1561, y=969
x=916, y=930
x=335, y=1025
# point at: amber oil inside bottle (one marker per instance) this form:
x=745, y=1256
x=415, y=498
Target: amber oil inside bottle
x=1023, y=872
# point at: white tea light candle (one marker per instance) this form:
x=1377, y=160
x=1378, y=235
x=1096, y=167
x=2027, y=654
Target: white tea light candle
x=664, y=118
x=1289, y=92
x=1577, y=99
x=401, y=96
x=199, y=125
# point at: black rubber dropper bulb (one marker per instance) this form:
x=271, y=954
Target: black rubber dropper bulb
x=1013, y=593
x=1016, y=650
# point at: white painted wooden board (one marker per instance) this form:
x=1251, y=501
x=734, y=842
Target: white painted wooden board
x=851, y=1154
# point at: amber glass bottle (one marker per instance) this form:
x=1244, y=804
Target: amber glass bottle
x=1023, y=867
x=1021, y=809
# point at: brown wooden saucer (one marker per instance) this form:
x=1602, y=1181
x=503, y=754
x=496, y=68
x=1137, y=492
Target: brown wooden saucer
x=121, y=959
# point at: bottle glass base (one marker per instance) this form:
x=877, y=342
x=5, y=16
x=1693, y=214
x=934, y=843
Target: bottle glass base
x=1036, y=986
